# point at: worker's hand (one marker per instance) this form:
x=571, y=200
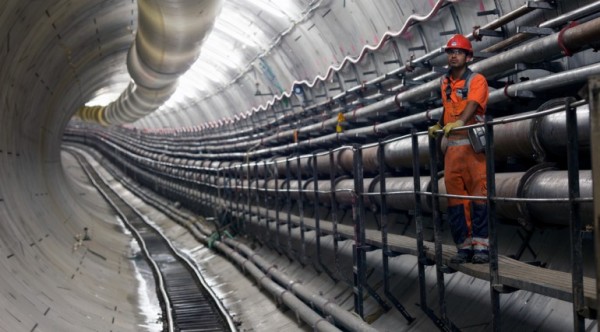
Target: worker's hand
x=452, y=125
x=432, y=130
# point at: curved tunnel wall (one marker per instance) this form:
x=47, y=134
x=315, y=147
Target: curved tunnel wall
x=50, y=57
x=166, y=168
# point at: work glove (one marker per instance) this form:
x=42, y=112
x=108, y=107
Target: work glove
x=452, y=125
x=432, y=130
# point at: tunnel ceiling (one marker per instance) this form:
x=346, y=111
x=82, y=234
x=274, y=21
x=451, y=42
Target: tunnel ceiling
x=243, y=31
x=259, y=49
x=71, y=53
x=74, y=52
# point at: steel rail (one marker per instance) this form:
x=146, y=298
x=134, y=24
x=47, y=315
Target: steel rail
x=176, y=279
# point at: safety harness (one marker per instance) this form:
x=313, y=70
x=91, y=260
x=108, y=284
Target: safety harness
x=462, y=92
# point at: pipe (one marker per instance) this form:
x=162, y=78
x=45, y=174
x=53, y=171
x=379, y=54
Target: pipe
x=271, y=278
x=201, y=233
x=537, y=184
x=167, y=43
x=509, y=17
x=536, y=51
x=343, y=317
x=317, y=322
x=557, y=80
x=574, y=76
x=387, y=36
x=553, y=23
x=533, y=52
x=529, y=139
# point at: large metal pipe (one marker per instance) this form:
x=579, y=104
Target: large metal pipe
x=534, y=187
x=499, y=22
x=539, y=183
x=573, y=39
x=305, y=312
x=167, y=43
x=528, y=139
x=534, y=139
x=521, y=36
x=578, y=75
x=557, y=80
x=539, y=50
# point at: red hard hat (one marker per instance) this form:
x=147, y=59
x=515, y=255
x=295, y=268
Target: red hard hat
x=460, y=42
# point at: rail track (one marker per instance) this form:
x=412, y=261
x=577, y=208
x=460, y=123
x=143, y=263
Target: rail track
x=187, y=303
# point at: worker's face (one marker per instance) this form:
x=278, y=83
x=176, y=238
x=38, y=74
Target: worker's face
x=457, y=58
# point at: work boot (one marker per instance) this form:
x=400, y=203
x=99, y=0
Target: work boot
x=481, y=257
x=462, y=256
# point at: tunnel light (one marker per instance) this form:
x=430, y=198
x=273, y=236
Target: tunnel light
x=110, y=92
x=103, y=99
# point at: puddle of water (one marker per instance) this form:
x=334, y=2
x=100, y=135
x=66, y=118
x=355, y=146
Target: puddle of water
x=147, y=299
x=148, y=303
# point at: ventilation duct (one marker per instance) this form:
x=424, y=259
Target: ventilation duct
x=170, y=34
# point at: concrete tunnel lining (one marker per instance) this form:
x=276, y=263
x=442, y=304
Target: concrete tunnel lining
x=56, y=56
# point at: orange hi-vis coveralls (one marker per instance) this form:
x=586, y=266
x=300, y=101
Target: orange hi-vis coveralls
x=465, y=170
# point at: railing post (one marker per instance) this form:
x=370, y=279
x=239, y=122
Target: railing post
x=574, y=218
x=266, y=200
x=277, y=207
x=385, y=250
x=317, y=216
x=288, y=180
x=240, y=214
x=418, y=220
x=594, y=105
x=492, y=229
x=300, y=203
x=358, y=209
x=257, y=203
x=437, y=229
x=334, y=210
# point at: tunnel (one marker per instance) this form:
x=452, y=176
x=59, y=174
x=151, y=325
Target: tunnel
x=281, y=149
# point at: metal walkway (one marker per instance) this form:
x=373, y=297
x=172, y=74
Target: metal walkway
x=514, y=274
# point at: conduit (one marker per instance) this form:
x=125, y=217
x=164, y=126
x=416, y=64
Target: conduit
x=167, y=43
x=317, y=322
x=520, y=37
x=538, y=195
x=578, y=75
x=544, y=49
x=341, y=316
x=520, y=195
x=547, y=48
x=531, y=138
x=587, y=10
x=270, y=278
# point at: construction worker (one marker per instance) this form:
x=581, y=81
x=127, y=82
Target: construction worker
x=464, y=97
